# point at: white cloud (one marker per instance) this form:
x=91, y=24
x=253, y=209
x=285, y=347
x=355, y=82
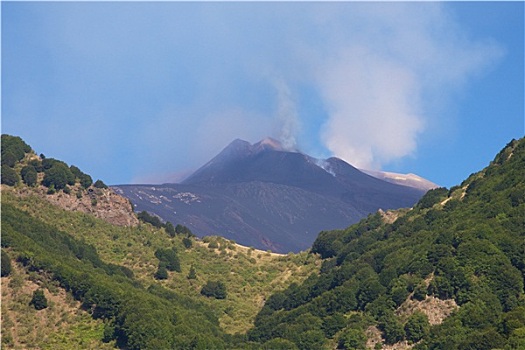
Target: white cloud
x=173, y=83
x=390, y=64
x=373, y=107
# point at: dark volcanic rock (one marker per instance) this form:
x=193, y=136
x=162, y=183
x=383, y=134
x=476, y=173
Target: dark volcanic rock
x=263, y=196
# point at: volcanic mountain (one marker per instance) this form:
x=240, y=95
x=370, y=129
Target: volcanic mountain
x=265, y=196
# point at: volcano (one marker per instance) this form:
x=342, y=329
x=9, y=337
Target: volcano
x=271, y=198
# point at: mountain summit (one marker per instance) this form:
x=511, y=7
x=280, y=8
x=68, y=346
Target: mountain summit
x=265, y=196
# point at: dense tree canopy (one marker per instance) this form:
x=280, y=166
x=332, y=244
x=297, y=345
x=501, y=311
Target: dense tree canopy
x=13, y=149
x=468, y=241
x=58, y=176
x=9, y=176
x=465, y=244
x=5, y=264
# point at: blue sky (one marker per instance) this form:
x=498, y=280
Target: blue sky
x=137, y=92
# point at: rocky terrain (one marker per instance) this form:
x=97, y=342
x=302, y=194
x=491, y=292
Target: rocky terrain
x=102, y=203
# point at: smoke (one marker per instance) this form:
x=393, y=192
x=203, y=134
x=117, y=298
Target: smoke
x=287, y=117
x=374, y=107
x=386, y=72
x=323, y=164
x=172, y=83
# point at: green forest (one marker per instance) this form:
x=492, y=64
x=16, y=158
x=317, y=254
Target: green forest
x=157, y=286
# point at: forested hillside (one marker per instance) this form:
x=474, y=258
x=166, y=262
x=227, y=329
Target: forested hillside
x=150, y=286
x=461, y=248
x=446, y=274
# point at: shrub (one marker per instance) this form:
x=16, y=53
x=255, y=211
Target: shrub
x=39, y=300
x=213, y=245
x=170, y=229
x=417, y=327
x=100, y=184
x=5, y=264
x=192, y=274
x=188, y=243
x=85, y=179
x=180, y=229
x=169, y=258
x=146, y=217
x=9, y=176
x=29, y=175
x=279, y=344
x=215, y=289
x=13, y=149
x=58, y=175
x=162, y=273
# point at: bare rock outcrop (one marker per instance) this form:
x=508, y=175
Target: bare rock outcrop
x=102, y=203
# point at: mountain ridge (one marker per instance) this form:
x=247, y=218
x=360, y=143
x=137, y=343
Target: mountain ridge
x=458, y=250
x=237, y=192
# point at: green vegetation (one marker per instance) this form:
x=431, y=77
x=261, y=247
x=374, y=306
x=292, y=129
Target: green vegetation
x=5, y=264
x=110, y=270
x=157, y=286
x=9, y=176
x=99, y=184
x=215, y=289
x=39, y=300
x=168, y=258
x=58, y=175
x=143, y=319
x=162, y=272
x=466, y=244
x=29, y=175
x=84, y=179
x=417, y=327
x=13, y=150
x=171, y=230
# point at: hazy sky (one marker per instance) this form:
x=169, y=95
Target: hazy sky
x=135, y=92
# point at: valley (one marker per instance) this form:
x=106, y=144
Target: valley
x=446, y=273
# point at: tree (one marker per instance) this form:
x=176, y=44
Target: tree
x=100, y=184
x=392, y=329
x=169, y=258
x=9, y=176
x=162, y=273
x=417, y=327
x=144, y=216
x=352, y=339
x=333, y=324
x=86, y=180
x=192, y=274
x=58, y=175
x=279, y=344
x=170, y=229
x=5, y=264
x=39, y=300
x=29, y=175
x=215, y=289
x=9, y=159
x=187, y=242
x=180, y=229
x=13, y=149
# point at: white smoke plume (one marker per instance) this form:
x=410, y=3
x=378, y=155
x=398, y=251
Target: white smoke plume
x=388, y=68
x=374, y=109
x=174, y=82
x=287, y=117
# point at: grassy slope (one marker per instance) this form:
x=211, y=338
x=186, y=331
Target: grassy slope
x=250, y=275
x=62, y=325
